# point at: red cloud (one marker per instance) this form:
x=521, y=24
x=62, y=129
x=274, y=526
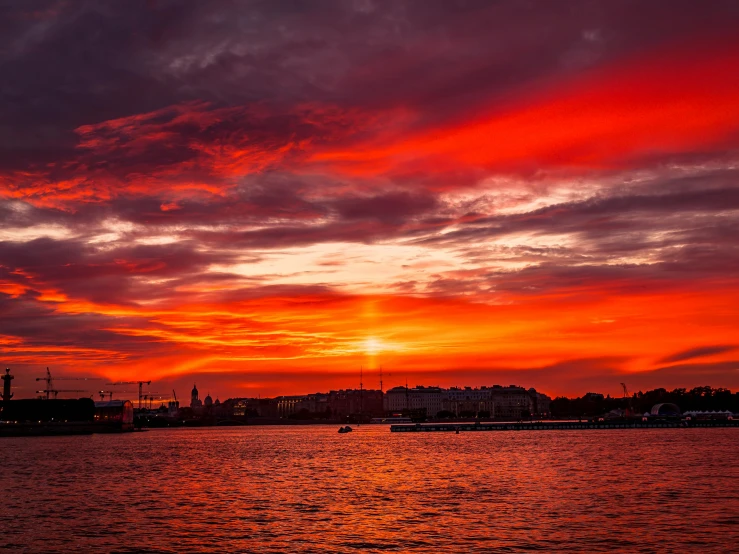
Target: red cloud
x=673, y=102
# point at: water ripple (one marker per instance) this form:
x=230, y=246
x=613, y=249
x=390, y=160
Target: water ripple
x=309, y=489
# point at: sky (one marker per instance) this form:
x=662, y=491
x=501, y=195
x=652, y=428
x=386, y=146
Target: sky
x=264, y=197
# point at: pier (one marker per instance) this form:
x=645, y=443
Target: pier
x=558, y=426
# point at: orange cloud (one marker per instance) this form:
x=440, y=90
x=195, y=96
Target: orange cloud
x=320, y=335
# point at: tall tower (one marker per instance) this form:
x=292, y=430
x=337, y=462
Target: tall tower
x=7, y=378
x=194, y=400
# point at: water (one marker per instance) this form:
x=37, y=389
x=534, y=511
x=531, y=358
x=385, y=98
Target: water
x=309, y=489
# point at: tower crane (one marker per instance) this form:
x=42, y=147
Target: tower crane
x=49, y=380
x=627, y=397
x=55, y=392
x=150, y=396
x=139, y=383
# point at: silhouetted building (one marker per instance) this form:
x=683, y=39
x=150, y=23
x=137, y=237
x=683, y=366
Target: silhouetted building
x=512, y=402
x=195, y=401
x=289, y=405
x=42, y=410
x=467, y=401
x=499, y=402
x=424, y=400
x=116, y=413
x=343, y=403
x=252, y=407
x=542, y=403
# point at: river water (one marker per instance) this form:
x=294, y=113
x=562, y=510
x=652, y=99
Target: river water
x=310, y=489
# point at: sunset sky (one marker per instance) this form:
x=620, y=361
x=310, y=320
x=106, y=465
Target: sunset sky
x=263, y=197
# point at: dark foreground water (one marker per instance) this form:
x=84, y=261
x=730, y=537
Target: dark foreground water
x=309, y=489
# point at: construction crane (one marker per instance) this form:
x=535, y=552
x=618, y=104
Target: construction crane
x=55, y=392
x=151, y=396
x=49, y=380
x=139, y=383
x=629, y=410
x=173, y=405
x=110, y=393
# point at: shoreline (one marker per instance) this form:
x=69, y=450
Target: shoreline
x=559, y=426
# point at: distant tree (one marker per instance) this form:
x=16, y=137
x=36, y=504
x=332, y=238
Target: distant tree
x=301, y=415
x=698, y=398
x=445, y=414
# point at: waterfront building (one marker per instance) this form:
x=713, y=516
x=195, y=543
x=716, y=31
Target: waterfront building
x=497, y=402
x=542, y=404
x=116, y=413
x=43, y=411
x=422, y=400
x=345, y=402
x=512, y=402
x=461, y=401
x=289, y=405
x=252, y=407
x=308, y=403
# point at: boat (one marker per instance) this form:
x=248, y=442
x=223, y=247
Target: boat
x=346, y=429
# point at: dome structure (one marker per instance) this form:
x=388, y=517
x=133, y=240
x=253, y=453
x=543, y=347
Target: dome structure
x=665, y=409
x=208, y=400
x=218, y=402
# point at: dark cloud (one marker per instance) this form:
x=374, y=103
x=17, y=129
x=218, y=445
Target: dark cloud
x=600, y=216
x=394, y=207
x=46, y=332
x=699, y=352
x=67, y=64
x=106, y=275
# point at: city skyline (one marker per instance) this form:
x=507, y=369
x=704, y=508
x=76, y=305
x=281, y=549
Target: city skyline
x=257, y=197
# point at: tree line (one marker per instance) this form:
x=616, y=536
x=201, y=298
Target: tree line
x=698, y=398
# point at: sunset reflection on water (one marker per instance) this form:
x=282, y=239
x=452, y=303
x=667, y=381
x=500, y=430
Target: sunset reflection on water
x=309, y=489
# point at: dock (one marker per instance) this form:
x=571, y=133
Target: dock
x=558, y=426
